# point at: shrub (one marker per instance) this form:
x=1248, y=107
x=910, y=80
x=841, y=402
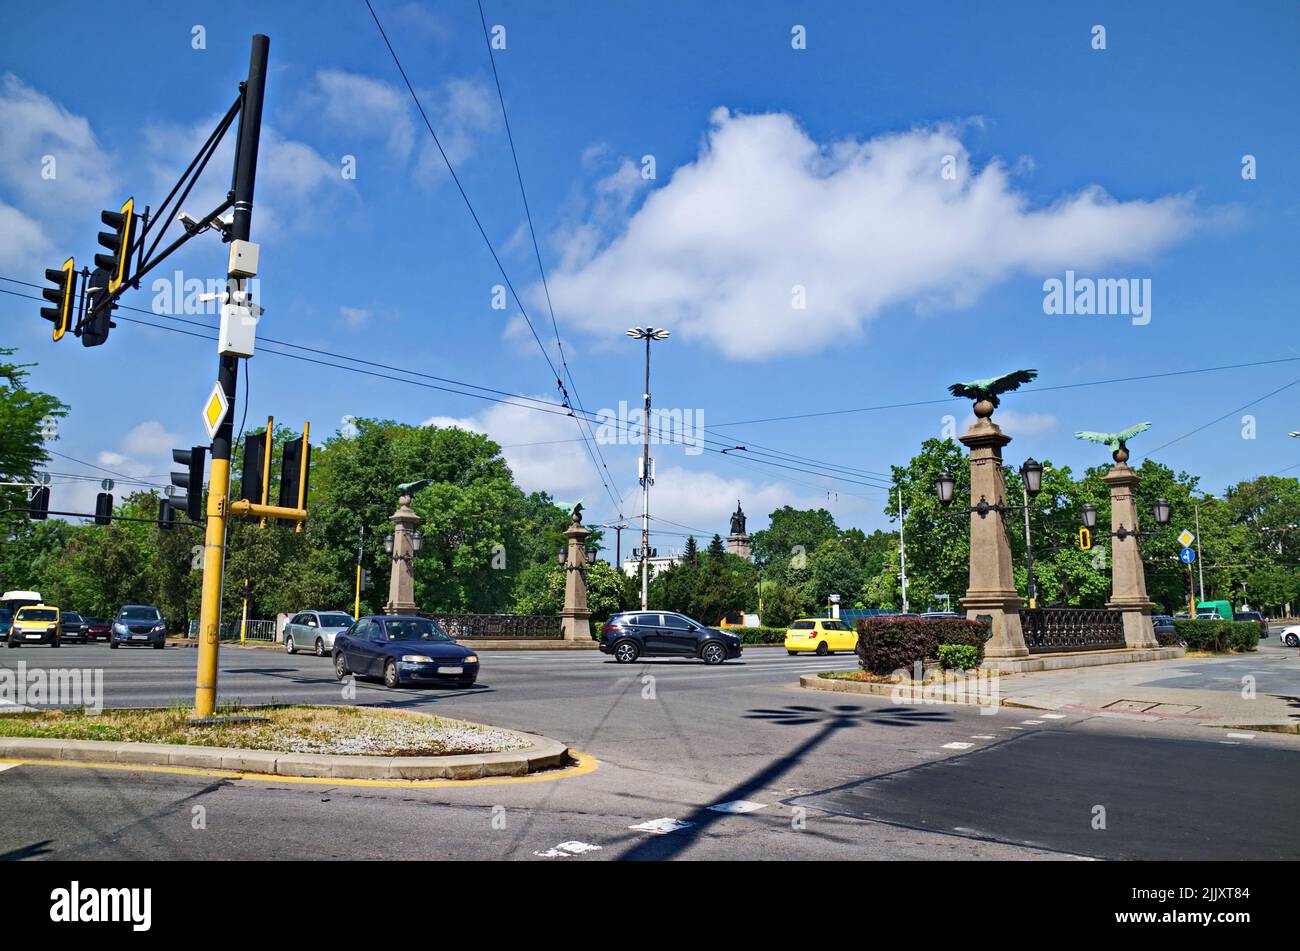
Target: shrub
x=889, y=643
x=958, y=656
x=759, y=635
x=1218, y=636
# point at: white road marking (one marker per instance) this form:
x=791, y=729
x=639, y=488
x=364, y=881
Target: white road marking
x=738, y=806
x=565, y=849
x=1229, y=742
x=957, y=746
x=983, y=736
x=4, y=766
x=1242, y=736
x=1032, y=722
x=661, y=826
x=1052, y=716
x=1021, y=728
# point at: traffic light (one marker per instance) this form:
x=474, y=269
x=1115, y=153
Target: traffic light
x=253, y=483
x=165, y=515
x=295, y=465
x=61, y=295
x=118, y=241
x=40, y=504
x=1085, y=539
x=1187, y=583
x=99, y=315
x=104, y=509
x=191, y=480
x=364, y=581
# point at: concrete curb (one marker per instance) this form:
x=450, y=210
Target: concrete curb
x=484, y=644
x=814, y=682
x=543, y=753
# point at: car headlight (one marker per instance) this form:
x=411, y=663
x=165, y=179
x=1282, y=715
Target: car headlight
x=159, y=627
x=120, y=628
x=470, y=659
x=52, y=628
x=415, y=659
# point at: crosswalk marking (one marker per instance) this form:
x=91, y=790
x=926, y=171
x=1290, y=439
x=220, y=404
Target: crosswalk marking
x=1242, y=736
x=957, y=746
x=1052, y=716
x=738, y=806
x=661, y=826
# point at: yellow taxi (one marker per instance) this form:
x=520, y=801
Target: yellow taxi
x=822, y=635
x=36, y=624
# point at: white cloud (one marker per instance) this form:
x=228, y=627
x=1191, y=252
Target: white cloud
x=150, y=440
x=24, y=248
x=861, y=225
x=1017, y=424
x=463, y=111
x=361, y=106
x=32, y=127
x=355, y=317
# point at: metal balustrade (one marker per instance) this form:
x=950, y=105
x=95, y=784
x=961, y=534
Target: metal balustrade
x=1048, y=630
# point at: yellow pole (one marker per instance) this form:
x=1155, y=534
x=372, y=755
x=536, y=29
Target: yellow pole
x=302, y=470
x=243, y=621
x=205, y=684
x=266, y=465
x=356, y=608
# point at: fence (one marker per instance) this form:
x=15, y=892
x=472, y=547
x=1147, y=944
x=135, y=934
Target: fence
x=1071, y=629
x=256, y=630
x=508, y=626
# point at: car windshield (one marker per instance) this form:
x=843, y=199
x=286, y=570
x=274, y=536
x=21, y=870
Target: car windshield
x=72, y=616
x=413, y=629
x=335, y=620
x=138, y=614
x=37, y=614
x=6, y=614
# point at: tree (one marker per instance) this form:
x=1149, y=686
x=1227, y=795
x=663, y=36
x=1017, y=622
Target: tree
x=790, y=533
x=23, y=418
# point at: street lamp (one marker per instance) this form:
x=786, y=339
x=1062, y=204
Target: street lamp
x=943, y=487
x=1161, y=510
x=1089, y=516
x=388, y=544
x=1032, y=473
x=647, y=334
x=417, y=541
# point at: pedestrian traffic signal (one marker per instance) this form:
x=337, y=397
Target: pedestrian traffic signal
x=40, y=504
x=61, y=295
x=104, y=509
x=99, y=310
x=118, y=241
x=191, y=480
x=165, y=515
x=295, y=465
x=1085, y=539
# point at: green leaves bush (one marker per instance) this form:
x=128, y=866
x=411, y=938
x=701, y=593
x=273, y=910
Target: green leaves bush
x=890, y=643
x=760, y=635
x=958, y=656
x=1218, y=636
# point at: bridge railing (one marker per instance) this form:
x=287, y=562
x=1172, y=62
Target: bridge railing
x=1048, y=630
x=503, y=626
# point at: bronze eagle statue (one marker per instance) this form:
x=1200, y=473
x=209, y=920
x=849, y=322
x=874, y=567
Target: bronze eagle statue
x=994, y=387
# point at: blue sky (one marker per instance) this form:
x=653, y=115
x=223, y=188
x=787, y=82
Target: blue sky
x=775, y=168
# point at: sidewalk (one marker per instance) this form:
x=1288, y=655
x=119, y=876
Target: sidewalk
x=1211, y=690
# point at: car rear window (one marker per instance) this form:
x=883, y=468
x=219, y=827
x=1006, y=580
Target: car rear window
x=801, y=626
x=335, y=620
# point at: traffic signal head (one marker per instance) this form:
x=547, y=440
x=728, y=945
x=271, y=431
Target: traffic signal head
x=118, y=241
x=99, y=312
x=165, y=514
x=295, y=467
x=252, y=484
x=61, y=296
x=191, y=480
x=40, y=504
x=103, y=509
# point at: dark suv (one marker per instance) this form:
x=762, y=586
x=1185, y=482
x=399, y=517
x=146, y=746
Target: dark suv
x=138, y=625
x=634, y=634
x=74, y=627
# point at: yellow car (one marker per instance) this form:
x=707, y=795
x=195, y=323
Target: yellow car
x=36, y=624
x=822, y=635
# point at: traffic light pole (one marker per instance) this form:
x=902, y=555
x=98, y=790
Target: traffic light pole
x=250, y=127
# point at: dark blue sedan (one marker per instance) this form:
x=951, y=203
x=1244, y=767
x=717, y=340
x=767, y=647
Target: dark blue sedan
x=403, y=650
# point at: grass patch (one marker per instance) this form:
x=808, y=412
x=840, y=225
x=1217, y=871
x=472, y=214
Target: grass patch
x=358, y=731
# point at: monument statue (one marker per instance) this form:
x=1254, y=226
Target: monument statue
x=985, y=393
x=1116, y=441
x=738, y=520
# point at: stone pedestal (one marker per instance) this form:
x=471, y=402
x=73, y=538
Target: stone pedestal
x=401, y=582
x=739, y=545
x=1128, y=577
x=991, y=595
x=575, y=618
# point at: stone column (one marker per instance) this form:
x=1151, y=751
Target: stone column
x=401, y=582
x=575, y=618
x=991, y=594
x=1128, y=577
x=739, y=545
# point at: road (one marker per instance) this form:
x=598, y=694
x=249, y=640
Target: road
x=819, y=775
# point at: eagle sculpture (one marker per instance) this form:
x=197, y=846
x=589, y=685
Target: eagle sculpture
x=1116, y=441
x=988, y=391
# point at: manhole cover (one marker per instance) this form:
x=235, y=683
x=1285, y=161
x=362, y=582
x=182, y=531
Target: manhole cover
x=1131, y=706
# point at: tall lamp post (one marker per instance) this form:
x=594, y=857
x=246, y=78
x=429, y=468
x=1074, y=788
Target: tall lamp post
x=647, y=473
x=1031, y=483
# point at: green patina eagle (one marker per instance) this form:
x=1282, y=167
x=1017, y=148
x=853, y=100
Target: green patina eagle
x=992, y=388
x=1114, y=440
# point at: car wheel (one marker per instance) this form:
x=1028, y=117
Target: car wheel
x=289, y=646
x=160, y=645
x=1292, y=640
x=822, y=649
x=463, y=684
x=112, y=645
x=793, y=653
x=626, y=651
x=55, y=642
x=390, y=675
x=12, y=643
x=340, y=666
x=713, y=654
x=320, y=647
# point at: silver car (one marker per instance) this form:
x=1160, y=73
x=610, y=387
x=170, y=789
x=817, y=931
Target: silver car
x=314, y=631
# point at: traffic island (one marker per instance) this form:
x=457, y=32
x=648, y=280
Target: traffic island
x=300, y=741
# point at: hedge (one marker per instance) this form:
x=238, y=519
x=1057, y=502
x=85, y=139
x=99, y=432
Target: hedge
x=1218, y=636
x=759, y=635
x=887, y=644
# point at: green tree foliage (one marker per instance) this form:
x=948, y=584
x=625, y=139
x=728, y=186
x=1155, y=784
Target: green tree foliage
x=22, y=412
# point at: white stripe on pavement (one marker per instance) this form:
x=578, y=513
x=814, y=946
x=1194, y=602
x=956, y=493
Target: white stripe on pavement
x=738, y=806
x=661, y=826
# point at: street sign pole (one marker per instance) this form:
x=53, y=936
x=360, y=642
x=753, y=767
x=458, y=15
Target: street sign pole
x=250, y=127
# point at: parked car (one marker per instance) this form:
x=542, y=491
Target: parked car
x=6, y=622
x=36, y=624
x=942, y=616
x=632, y=634
x=822, y=635
x=98, y=629
x=403, y=650
x=1166, y=633
x=1256, y=617
x=1220, y=610
x=139, y=625
x=315, y=630
x=74, y=627
x=1290, y=636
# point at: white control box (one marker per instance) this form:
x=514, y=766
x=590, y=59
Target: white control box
x=238, y=335
x=243, y=259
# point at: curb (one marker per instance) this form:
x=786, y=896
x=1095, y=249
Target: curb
x=813, y=682
x=543, y=754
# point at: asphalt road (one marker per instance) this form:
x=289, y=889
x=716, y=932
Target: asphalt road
x=818, y=775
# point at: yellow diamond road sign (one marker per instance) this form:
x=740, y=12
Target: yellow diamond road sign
x=214, y=410
x=1186, y=538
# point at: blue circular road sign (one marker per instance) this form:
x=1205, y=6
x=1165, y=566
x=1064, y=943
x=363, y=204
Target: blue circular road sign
x=1187, y=556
